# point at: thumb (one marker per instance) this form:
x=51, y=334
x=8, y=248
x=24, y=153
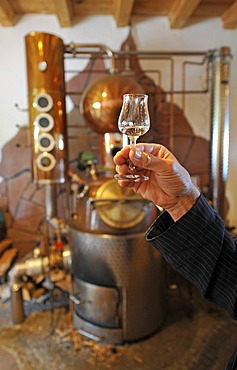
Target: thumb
x=142, y=159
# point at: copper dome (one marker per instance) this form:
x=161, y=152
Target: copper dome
x=102, y=101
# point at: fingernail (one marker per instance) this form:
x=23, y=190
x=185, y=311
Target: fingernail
x=137, y=154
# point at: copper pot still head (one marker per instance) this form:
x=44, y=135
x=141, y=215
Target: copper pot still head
x=101, y=102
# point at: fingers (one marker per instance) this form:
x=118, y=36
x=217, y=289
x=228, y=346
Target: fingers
x=135, y=155
x=140, y=158
x=122, y=156
x=147, y=156
x=123, y=168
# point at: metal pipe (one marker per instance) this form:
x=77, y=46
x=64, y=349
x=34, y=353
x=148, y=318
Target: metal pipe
x=30, y=267
x=50, y=201
x=219, y=151
x=184, y=80
x=33, y=267
x=18, y=312
x=73, y=49
x=70, y=49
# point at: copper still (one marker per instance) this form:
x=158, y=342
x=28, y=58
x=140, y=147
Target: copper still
x=118, y=279
x=117, y=276
x=47, y=112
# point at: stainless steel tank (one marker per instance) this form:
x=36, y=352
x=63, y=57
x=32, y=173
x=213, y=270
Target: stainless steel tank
x=118, y=277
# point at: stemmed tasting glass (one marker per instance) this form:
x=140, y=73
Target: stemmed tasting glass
x=133, y=121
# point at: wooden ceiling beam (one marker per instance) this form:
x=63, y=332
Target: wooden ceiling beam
x=123, y=12
x=181, y=11
x=64, y=12
x=7, y=16
x=229, y=18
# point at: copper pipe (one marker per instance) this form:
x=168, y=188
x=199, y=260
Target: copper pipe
x=74, y=49
x=184, y=80
x=148, y=54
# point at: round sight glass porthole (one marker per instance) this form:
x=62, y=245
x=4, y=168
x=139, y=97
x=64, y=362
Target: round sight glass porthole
x=45, y=122
x=46, y=142
x=43, y=102
x=46, y=162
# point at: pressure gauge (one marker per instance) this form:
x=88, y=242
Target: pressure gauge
x=119, y=207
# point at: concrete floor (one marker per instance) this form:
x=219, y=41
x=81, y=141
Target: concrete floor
x=198, y=339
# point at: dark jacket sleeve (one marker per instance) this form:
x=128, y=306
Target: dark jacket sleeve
x=202, y=250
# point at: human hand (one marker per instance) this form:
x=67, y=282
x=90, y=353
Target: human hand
x=169, y=185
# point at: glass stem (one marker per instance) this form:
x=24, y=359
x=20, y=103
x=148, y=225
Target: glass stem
x=131, y=166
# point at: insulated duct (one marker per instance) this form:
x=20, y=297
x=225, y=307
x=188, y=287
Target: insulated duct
x=219, y=150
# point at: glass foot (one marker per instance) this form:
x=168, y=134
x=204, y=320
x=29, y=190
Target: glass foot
x=131, y=177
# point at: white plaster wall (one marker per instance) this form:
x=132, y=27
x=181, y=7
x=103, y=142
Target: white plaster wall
x=149, y=34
